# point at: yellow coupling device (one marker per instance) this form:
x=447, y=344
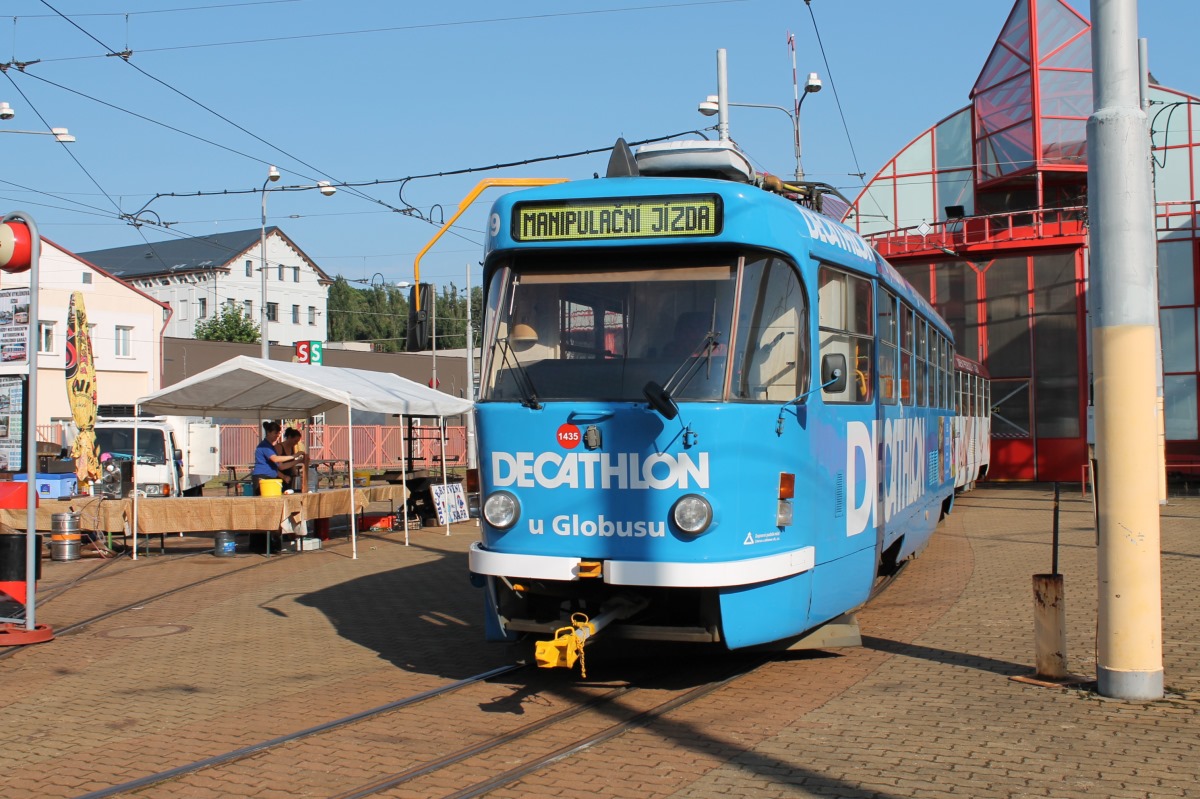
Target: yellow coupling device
x=567, y=645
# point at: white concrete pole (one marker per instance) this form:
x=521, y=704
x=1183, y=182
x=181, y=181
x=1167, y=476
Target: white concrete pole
x=472, y=461
x=722, y=97
x=1125, y=307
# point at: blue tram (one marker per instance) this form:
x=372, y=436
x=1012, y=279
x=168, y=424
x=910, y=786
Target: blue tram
x=706, y=412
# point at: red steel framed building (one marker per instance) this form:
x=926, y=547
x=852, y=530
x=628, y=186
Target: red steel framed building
x=986, y=214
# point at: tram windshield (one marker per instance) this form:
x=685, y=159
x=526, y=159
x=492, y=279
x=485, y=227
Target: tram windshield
x=562, y=328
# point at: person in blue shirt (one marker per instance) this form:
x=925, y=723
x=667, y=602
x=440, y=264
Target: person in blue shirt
x=269, y=464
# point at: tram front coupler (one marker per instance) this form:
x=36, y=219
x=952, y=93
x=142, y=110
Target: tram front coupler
x=567, y=645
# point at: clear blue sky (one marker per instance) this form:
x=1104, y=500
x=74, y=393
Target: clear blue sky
x=365, y=90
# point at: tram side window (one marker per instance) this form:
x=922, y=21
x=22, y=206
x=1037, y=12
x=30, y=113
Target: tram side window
x=846, y=327
x=886, y=324
x=935, y=368
x=770, y=360
x=922, y=362
x=906, y=354
x=948, y=369
x=943, y=377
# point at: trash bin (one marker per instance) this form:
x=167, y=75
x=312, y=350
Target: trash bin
x=12, y=564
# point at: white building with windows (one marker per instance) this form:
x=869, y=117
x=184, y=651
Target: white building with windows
x=195, y=276
x=126, y=325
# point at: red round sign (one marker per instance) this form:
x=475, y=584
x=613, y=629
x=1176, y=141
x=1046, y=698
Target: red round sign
x=568, y=436
x=16, y=247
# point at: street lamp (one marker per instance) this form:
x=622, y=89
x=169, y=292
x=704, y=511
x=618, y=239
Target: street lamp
x=61, y=135
x=326, y=188
x=712, y=103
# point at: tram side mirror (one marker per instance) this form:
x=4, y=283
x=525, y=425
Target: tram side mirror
x=660, y=400
x=833, y=372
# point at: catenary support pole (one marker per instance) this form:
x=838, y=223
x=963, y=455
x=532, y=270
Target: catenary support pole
x=722, y=97
x=472, y=463
x=350, y=469
x=1124, y=307
x=1160, y=406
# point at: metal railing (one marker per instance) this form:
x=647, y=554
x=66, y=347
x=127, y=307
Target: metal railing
x=1035, y=225
x=1178, y=216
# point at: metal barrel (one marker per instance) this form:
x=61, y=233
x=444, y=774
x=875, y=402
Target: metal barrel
x=65, y=537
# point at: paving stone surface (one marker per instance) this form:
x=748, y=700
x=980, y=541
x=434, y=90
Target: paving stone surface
x=204, y=654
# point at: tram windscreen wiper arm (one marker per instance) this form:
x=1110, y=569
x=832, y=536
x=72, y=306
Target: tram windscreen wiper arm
x=521, y=377
x=660, y=397
x=684, y=372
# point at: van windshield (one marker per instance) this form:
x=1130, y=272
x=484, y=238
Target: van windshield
x=118, y=442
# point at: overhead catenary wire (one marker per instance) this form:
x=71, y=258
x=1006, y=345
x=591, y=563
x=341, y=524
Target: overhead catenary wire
x=158, y=10
x=205, y=107
x=66, y=149
x=859, y=173
x=401, y=28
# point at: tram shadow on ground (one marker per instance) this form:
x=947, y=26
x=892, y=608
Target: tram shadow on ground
x=425, y=617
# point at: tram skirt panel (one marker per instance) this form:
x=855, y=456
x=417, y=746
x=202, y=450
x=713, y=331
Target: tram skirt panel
x=765, y=612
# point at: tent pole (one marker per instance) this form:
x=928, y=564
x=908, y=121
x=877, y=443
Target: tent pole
x=404, y=478
x=133, y=476
x=350, y=468
x=445, y=479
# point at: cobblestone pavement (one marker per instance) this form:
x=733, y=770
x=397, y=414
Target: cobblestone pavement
x=253, y=648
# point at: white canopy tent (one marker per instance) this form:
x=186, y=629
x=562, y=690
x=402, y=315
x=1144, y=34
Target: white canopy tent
x=253, y=388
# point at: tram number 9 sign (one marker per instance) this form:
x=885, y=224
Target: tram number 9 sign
x=617, y=218
x=16, y=247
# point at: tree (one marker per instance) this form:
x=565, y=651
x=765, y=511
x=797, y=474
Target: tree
x=377, y=314
x=228, y=324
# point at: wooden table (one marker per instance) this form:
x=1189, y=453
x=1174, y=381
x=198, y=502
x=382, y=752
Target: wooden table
x=336, y=469
x=284, y=513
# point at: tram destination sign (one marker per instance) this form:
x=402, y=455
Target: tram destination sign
x=617, y=218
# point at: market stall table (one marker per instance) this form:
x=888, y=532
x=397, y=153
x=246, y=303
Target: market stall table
x=286, y=513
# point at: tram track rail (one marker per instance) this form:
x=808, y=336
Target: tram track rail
x=246, y=752
x=76, y=626
x=531, y=765
x=103, y=571
x=598, y=708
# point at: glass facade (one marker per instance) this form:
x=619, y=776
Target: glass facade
x=1002, y=184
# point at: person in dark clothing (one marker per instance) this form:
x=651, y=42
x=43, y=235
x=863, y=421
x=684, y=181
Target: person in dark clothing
x=269, y=464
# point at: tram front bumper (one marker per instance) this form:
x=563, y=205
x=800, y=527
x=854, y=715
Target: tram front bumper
x=659, y=574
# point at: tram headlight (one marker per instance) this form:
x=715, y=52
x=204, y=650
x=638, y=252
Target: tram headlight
x=501, y=510
x=692, y=514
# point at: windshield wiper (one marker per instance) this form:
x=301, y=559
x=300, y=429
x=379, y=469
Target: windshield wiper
x=520, y=376
x=661, y=398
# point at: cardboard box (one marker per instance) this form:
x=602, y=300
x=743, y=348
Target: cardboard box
x=306, y=544
x=52, y=486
